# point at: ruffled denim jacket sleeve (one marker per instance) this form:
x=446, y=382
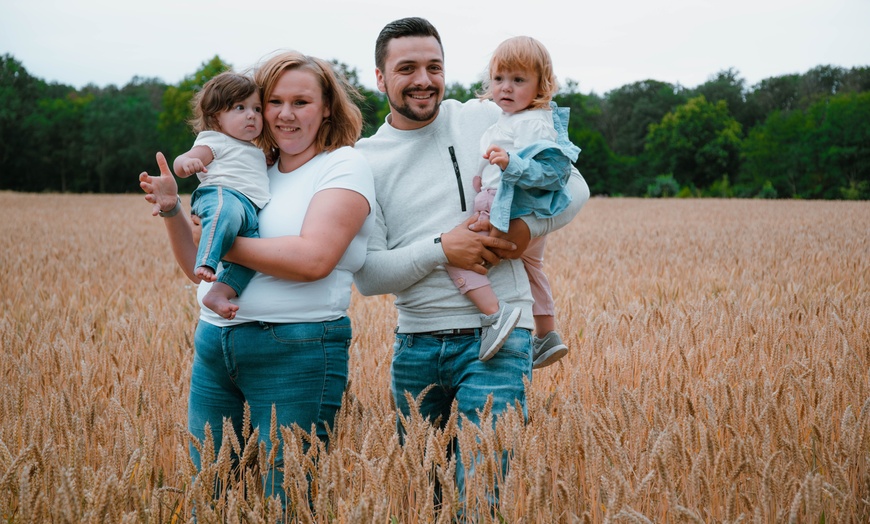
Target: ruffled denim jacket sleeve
x=536, y=176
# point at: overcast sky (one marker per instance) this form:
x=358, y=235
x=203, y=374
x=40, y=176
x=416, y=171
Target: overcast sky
x=602, y=45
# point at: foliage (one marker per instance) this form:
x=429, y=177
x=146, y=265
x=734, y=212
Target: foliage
x=820, y=152
x=729, y=87
x=629, y=111
x=663, y=186
x=371, y=103
x=177, y=111
x=698, y=142
x=805, y=134
x=767, y=191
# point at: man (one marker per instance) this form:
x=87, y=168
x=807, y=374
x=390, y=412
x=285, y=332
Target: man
x=424, y=158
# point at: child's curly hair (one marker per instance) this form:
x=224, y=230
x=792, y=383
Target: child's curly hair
x=523, y=53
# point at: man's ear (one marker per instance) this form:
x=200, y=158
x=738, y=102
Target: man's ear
x=382, y=86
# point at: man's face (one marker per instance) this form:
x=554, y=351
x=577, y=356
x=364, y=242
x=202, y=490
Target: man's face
x=413, y=80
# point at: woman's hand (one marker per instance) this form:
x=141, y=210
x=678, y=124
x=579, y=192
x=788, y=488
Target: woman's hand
x=162, y=191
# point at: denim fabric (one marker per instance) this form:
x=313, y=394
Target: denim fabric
x=225, y=214
x=452, y=364
x=536, y=177
x=301, y=369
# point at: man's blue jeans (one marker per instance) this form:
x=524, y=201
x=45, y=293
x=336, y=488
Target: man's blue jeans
x=451, y=363
x=301, y=369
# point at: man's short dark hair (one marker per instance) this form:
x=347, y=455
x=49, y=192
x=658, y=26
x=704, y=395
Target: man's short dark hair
x=412, y=26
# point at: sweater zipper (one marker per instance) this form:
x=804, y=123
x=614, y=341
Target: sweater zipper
x=458, y=177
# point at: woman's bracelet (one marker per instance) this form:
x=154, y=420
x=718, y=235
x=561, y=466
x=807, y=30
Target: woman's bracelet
x=172, y=212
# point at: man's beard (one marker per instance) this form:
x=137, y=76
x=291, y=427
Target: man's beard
x=406, y=111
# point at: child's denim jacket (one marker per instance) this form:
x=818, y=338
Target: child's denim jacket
x=536, y=176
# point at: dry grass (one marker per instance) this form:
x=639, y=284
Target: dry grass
x=719, y=372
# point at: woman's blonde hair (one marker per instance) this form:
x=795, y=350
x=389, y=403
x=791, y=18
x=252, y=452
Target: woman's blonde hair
x=523, y=53
x=344, y=124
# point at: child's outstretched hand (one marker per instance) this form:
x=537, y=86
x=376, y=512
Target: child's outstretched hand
x=497, y=156
x=162, y=191
x=186, y=166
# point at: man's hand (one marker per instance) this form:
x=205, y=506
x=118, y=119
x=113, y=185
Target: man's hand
x=518, y=234
x=468, y=250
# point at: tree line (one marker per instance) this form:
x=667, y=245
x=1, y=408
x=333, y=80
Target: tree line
x=792, y=136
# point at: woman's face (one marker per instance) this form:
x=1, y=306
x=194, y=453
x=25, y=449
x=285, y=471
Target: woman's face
x=294, y=112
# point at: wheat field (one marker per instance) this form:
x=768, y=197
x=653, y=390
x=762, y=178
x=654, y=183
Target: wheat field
x=719, y=372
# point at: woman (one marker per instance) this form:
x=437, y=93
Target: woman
x=287, y=345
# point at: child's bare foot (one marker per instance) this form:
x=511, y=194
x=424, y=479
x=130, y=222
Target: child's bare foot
x=218, y=300
x=205, y=273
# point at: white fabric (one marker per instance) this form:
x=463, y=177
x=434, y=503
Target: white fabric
x=237, y=165
x=418, y=199
x=270, y=299
x=512, y=132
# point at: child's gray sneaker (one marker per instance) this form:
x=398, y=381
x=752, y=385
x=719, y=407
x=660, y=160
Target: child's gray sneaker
x=496, y=328
x=547, y=350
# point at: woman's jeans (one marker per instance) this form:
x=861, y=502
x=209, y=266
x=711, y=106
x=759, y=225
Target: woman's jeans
x=301, y=369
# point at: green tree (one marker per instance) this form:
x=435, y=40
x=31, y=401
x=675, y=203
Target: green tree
x=840, y=139
x=780, y=93
x=19, y=96
x=371, y=103
x=726, y=85
x=773, y=153
x=820, y=152
x=857, y=80
x=821, y=82
x=56, y=125
x=459, y=92
x=595, y=156
x=628, y=111
x=699, y=143
x=119, y=136
x=177, y=111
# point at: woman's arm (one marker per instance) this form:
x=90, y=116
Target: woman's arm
x=333, y=219
x=162, y=192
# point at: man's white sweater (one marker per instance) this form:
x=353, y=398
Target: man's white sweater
x=418, y=195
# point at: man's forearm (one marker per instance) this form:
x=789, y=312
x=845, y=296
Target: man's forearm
x=393, y=270
x=579, y=190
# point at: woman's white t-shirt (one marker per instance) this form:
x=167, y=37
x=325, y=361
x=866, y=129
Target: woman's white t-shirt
x=270, y=299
